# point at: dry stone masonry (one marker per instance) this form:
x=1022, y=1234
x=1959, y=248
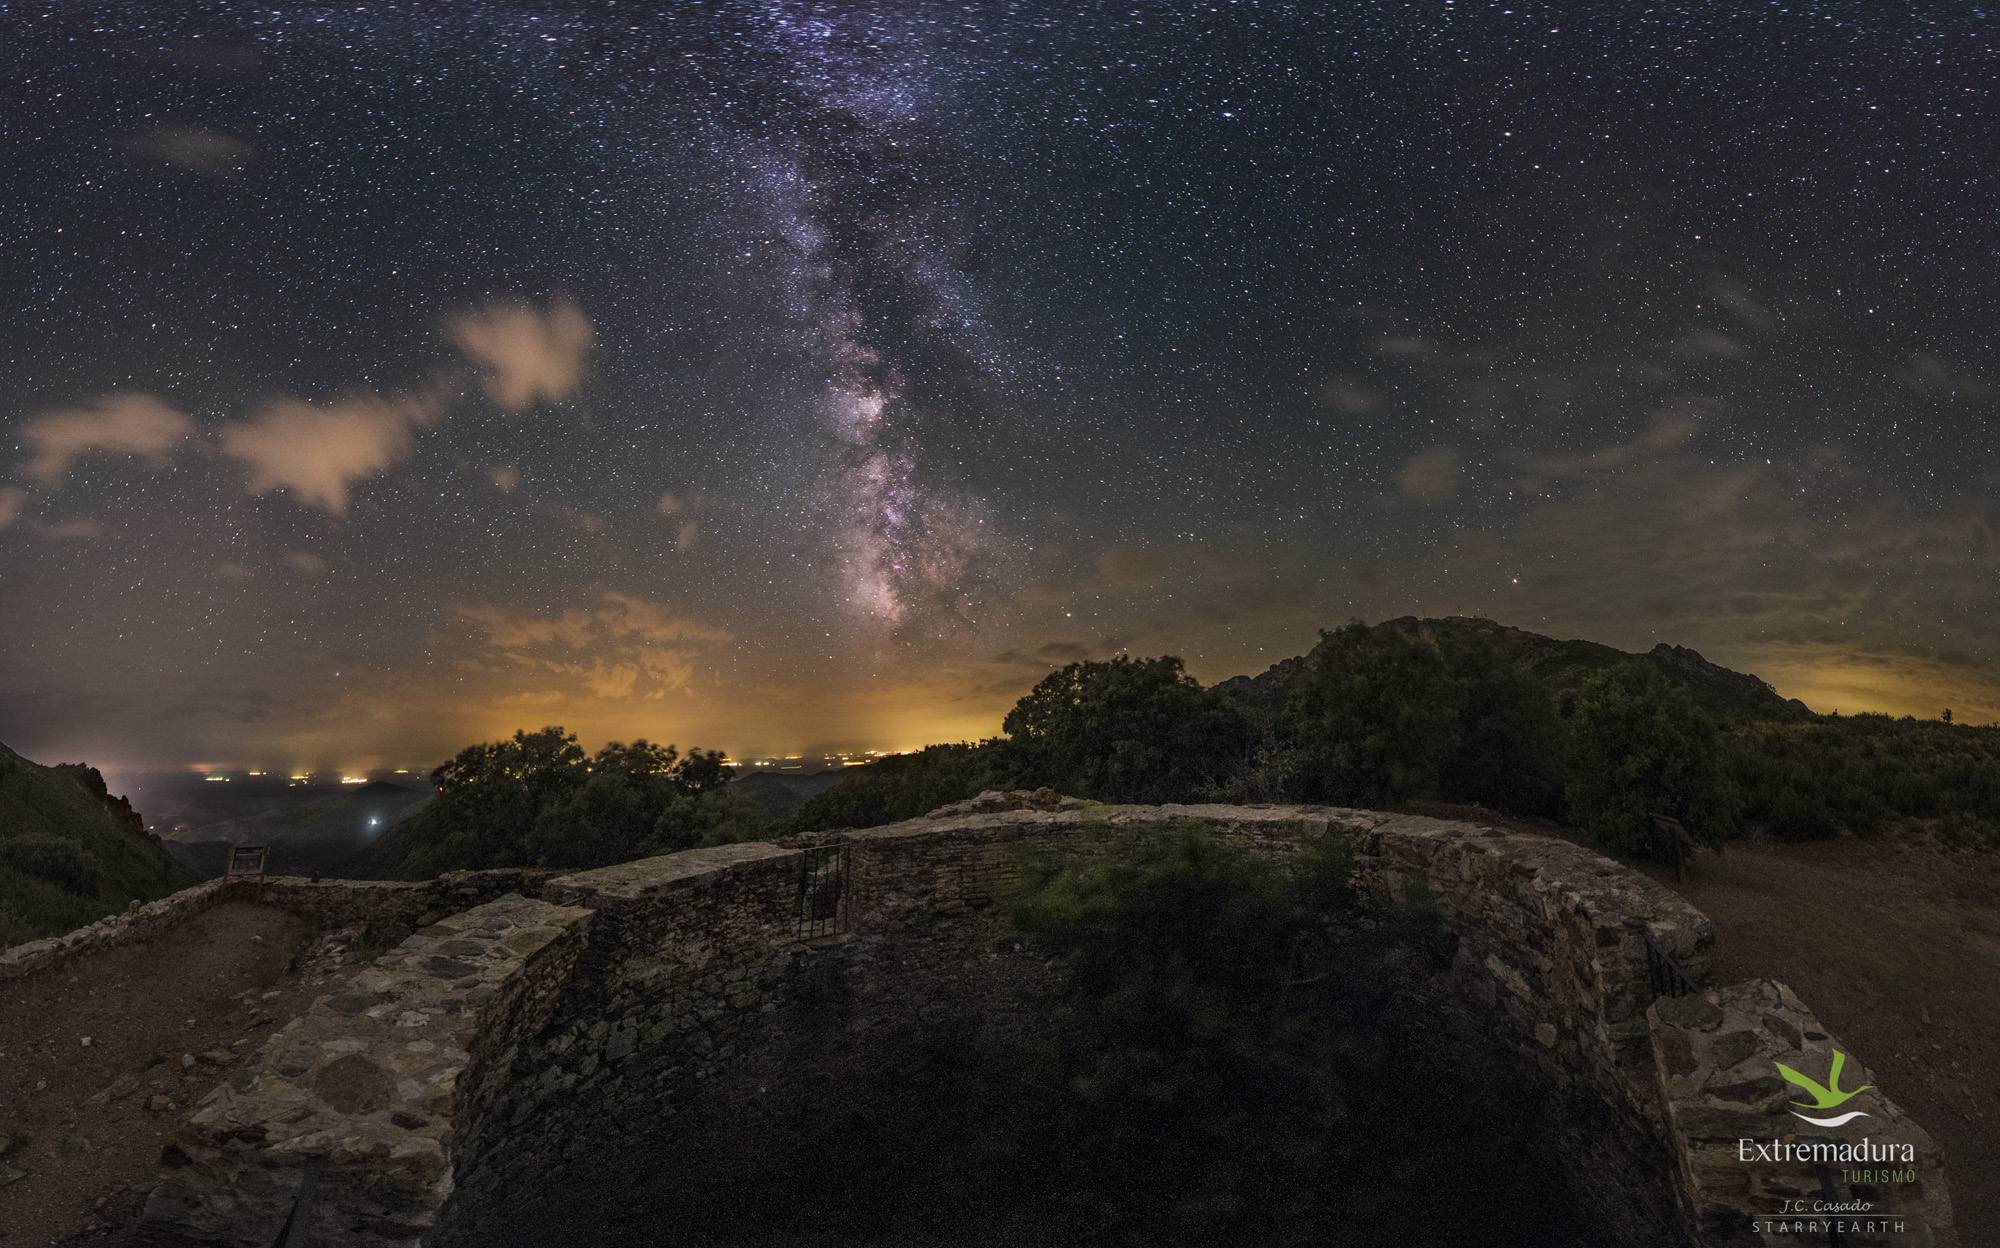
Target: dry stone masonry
x=479, y=1055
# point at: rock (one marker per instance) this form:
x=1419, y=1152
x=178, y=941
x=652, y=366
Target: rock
x=218, y=1057
x=11, y=1174
x=118, y=1090
x=158, y=1104
x=73, y=1143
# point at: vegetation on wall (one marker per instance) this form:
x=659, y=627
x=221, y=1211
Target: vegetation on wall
x=1229, y=1059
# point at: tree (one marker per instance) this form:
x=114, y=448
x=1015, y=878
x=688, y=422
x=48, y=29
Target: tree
x=538, y=800
x=1130, y=730
x=1508, y=749
x=1373, y=718
x=1641, y=747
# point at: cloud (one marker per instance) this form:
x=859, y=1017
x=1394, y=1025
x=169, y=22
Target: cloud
x=1349, y=396
x=207, y=152
x=1934, y=377
x=1671, y=425
x=625, y=646
x=529, y=356
x=305, y=561
x=1405, y=346
x=1430, y=475
x=1735, y=296
x=126, y=424
x=317, y=452
x=11, y=498
x=1709, y=342
x=1132, y=567
x=506, y=477
x=1043, y=594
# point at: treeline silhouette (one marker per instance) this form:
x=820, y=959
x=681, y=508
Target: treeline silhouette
x=1461, y=711
x=1468, y=712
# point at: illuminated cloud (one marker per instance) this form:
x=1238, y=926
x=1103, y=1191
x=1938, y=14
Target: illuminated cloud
x=207, y=152
x=529, y=356
x=1431, y=475
x=124, y=424
x=317, y=452
x=11, y=498
x=506, y=477
x=623, y=647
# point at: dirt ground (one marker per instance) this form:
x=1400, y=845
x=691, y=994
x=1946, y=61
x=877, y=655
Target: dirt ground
x=86, y=1119
x=1897, y=949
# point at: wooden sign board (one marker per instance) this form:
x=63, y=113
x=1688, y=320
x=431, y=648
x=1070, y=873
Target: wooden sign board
x=248, y=860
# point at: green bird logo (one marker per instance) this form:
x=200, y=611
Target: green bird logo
x=1828, y=1096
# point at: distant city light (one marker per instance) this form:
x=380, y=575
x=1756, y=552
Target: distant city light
x=224, y=779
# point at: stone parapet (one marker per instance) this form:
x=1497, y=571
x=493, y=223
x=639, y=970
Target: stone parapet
x=140, y=923
x=1759, y=1161
x=372, y=1087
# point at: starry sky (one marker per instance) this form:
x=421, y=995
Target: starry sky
x=787, y=377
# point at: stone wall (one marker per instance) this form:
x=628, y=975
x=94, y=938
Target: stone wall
x=140, y=923
x=373, y=1088
x=1746, y=1148
x=718, y=982
x=385, y=911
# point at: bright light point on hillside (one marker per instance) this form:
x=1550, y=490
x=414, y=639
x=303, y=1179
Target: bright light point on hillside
x=224, y=779
x=354, y=780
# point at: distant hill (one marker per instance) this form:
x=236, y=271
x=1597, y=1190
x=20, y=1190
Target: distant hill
x=307, y=834
x=70, y=853
x=779, y=794
x=1559, y=665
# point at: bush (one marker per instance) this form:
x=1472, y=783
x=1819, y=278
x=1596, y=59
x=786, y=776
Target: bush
x=60, y=862
x=902, y=786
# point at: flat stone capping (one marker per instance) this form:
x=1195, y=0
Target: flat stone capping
x=642, y=877
x=372, y=1084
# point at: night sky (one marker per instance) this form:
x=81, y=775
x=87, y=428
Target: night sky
x=789, y=377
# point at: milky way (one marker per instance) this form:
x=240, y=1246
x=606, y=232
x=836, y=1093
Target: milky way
x=876, y=264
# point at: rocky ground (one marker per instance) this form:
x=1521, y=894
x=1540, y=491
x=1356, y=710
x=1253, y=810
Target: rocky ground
x=1896, y=947
x=99, y=1058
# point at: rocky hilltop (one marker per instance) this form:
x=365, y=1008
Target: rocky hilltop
x=70, y=852
x=1557, y=664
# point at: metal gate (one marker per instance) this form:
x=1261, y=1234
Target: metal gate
x=823, y=902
